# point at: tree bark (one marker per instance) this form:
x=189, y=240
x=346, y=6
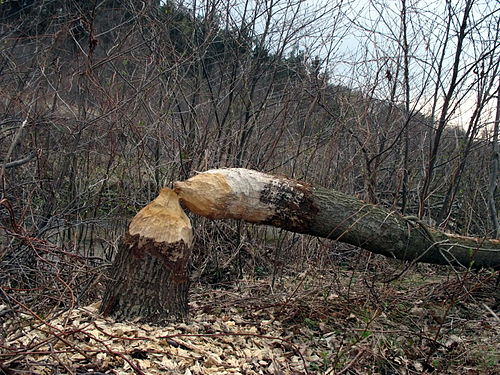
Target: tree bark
x=494, y=166
x=255, y=197
x=149, y=277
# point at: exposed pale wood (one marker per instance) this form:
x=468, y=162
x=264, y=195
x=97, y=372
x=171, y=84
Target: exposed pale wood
x=163, y=220
x=226, y=193
x=256, y=197
x=149, y=278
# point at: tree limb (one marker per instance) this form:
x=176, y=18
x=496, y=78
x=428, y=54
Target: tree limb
x=256, y=197
x=18, y=163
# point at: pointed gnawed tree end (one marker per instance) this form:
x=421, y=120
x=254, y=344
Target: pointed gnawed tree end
x=243, y=194
x=149, y=278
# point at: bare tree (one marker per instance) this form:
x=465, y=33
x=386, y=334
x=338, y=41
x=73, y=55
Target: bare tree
x=495, y=157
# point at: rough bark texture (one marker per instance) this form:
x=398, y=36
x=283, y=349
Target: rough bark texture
x=149, y=277
x=494, y=168
x=293, y=205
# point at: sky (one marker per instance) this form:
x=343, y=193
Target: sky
x=359, y=41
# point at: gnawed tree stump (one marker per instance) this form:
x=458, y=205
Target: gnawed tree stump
x=149, y=277
x=149, y=280
x=243, y=194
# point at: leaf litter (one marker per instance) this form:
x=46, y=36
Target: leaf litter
x=316, y=329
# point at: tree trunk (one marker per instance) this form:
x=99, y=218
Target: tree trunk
x=256, y=197
x=495, y=165
x=149, y=277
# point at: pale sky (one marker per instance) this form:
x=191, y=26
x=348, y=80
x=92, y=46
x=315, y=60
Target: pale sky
x=360, y=40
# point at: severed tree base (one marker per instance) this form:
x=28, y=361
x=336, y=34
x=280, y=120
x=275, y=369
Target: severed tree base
x=149, y=277
x=149, y=280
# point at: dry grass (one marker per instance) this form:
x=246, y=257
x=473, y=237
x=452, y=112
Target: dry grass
x=333, y=321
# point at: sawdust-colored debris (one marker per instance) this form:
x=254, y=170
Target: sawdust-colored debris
x=308, y=325
x=83, y=341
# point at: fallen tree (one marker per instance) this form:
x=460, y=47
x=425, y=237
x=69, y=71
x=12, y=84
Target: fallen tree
x=255, y=197
x=149, y=278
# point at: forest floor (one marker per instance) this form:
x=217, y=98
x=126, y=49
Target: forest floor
x=316, y=322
